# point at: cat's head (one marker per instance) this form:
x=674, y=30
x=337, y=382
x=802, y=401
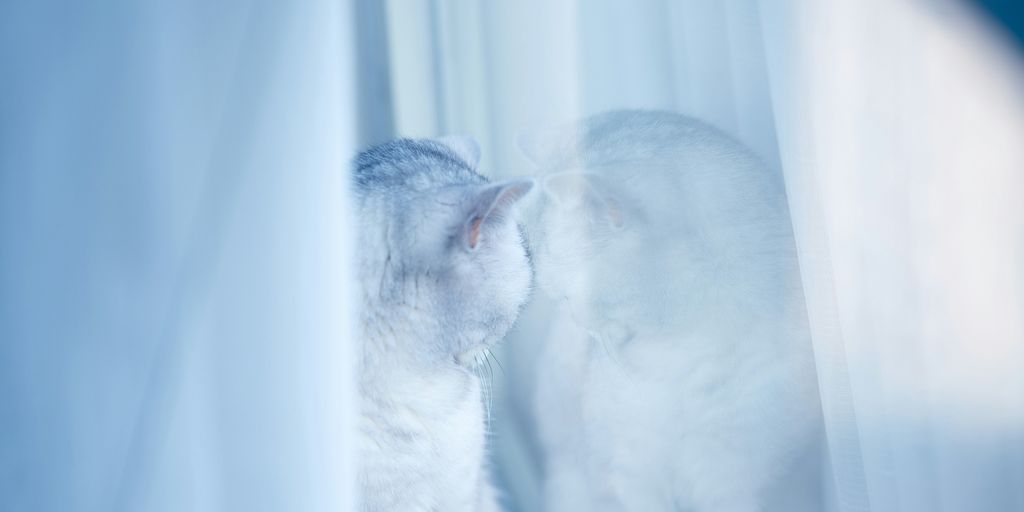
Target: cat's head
x=442, y=257
x=595, y=251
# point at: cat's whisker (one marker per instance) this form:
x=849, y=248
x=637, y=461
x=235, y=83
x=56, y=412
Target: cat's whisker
x=487, y=390
x=496, y=360
x=490, y=369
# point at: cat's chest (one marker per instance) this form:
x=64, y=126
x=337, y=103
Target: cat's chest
x=424, y=443
x=444, y=407
x=455, y=421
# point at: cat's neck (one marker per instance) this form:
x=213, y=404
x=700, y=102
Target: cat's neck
x=403, y=364
x=406, y=338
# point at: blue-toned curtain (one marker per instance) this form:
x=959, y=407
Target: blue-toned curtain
x=174, y=307
x=175, y=292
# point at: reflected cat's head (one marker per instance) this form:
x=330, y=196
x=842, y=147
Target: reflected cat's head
x=653, y=220
x=442, y=260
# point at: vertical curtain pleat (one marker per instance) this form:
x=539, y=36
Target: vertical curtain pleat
x=175, y=319
x=894, y=124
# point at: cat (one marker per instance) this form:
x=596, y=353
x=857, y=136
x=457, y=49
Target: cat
x=683, y=378
x=443, y=272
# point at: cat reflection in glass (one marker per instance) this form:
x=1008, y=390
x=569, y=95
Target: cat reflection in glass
x=685, y=380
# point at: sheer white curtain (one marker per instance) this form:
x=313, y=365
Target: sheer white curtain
x=174, y=309
x=175, y=318
x=904, y=169
x=896, y=126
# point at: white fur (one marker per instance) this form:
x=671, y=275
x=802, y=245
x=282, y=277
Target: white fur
x=685, y=379
x=433, y=299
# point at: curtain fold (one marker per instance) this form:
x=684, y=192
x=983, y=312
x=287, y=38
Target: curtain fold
x=174, y=315
x=897, y=152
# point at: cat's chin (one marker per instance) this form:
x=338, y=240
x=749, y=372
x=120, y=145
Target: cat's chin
x=473, y=357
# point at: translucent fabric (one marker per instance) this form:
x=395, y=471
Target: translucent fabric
x=176, y=297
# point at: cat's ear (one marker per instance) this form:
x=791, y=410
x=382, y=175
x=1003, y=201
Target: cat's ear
x=464, y=147
x=490, y=206
x=580, y=190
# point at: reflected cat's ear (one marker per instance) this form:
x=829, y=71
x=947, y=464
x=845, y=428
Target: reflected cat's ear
x=464, y=147
x=491, y=206
x=571, y=190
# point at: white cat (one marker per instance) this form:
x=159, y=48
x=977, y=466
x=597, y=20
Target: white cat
x=685, y=380
x=443, y=274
